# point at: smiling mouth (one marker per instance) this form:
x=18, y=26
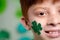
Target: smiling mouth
x=53, y=33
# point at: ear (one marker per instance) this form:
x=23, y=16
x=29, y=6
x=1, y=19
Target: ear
x=23, y=21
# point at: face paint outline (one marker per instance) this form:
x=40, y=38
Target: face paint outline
x=36, y=27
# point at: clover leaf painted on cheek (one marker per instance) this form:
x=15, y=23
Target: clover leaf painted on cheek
x=36, y=27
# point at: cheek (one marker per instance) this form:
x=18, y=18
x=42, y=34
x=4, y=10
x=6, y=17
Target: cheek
x=43, y=22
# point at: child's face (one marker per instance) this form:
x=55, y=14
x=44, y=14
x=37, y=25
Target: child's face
x=48, y=14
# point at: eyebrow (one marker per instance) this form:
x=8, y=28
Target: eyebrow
x=45, y=8
x=54, y=1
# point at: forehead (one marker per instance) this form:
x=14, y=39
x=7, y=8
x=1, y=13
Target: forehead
x=52, y=1
x=48, y=3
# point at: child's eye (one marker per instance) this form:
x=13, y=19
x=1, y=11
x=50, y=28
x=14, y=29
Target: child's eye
x=41, y=13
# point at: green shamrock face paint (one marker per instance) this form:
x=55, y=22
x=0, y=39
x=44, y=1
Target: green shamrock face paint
x=36, y=27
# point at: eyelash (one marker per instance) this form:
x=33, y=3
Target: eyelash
x=41, y=14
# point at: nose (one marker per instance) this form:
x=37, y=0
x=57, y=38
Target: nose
x=53, y=20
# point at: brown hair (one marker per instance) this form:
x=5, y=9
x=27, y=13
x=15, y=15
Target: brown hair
x=25, y=4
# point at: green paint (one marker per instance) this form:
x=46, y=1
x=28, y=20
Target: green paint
x=2, y=5
x=36, y=27
x=18, y=13
x=4, y=35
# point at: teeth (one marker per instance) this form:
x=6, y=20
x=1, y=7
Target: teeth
x=50, y=32
x=53, y=32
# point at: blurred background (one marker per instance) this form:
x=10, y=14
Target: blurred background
x=10, y=26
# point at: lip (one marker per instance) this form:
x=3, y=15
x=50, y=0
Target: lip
x=53, y=33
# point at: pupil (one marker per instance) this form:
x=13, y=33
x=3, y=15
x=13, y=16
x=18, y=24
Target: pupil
x=41, y=13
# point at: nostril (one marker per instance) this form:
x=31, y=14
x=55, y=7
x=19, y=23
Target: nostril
x=52, y=24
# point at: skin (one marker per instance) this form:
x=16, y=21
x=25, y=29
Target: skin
x=51, y=15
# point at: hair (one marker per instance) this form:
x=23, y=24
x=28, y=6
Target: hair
x=25, y=4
